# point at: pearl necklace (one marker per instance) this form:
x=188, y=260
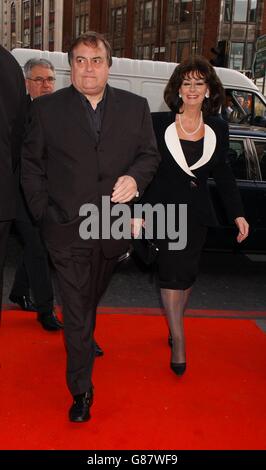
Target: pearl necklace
x=190, y=133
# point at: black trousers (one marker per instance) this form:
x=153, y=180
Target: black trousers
x=4, y=232
x=83, y=274
x=33, y=270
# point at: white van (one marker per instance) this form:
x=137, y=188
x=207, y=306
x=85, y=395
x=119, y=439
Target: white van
x=148, y=78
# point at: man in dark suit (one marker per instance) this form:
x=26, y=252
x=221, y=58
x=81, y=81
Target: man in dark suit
x=12, y=111
x=33, y=272
x=85, y=142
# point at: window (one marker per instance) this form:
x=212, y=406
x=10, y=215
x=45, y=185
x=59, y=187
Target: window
x=252, y=11
x=13, y=13
x=51, y=32
x=249, y=55
x=38, y=8
x=51, y=6
x=141, y=8
x=13, y=25
x=236, y=56
x=146, y=52
x=260, y=110
x=173, y=52
x=118, y=21
x=240, y=13
x=118, y=52
x=237, y=159
x=139, y=52
x=37, y=36
x=260, y=147
x=81, y=18
x=173, y=11
x=26, y=10
x=186, y=8
x=147, y=14
x=155, y=9
x=238, y=106
x=228, y=11
x=183, y=50
x=77, y=26
x=26, y=37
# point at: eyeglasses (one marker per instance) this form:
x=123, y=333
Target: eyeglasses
x=41, y=80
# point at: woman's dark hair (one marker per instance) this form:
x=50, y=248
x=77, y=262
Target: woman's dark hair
x=200, y=68
x=91, y=38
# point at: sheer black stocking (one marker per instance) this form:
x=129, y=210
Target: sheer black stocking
x=175, y=303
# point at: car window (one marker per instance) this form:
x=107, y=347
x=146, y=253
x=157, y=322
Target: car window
x=237, y=159
x=260, y=109
x=259, y=112
x=238, y=106
x=261, y=154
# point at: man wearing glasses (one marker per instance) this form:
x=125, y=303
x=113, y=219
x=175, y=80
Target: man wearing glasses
x=33, y=272
x=40, y=77
x=85, y=142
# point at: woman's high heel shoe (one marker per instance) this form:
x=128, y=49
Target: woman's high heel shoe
x=178, y=368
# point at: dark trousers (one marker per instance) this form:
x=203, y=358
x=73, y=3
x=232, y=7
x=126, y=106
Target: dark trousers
x=83, y=274
x=4, y=232
x=33, y=271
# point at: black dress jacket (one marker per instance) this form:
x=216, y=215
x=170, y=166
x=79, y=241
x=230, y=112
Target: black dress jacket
x=177, y=183
x=63, y=167
x=12, y=114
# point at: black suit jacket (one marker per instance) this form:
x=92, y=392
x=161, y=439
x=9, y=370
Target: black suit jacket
x=12, y=113
x=178, y=184
x=63, y=167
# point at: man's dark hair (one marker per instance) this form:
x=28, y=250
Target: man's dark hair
x=200, y=68
x=91, y=39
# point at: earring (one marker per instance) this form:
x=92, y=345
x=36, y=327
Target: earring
x=207, y=95
x=180, y=96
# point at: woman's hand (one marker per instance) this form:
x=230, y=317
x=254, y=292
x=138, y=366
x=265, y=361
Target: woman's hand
x=243, y=228
x=136, y=225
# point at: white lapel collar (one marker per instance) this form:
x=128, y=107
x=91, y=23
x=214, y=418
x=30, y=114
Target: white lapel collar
x=208, y=148
x=173, y=144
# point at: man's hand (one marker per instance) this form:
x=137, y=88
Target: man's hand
x=124, y=189
x=243, y=228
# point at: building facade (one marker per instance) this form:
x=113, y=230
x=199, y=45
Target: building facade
x=171, y=30
x=36, y=24
x=168, y=30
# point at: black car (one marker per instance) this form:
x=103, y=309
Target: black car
x=247, y=158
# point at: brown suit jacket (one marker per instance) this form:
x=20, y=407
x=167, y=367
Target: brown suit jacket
x=63, y=167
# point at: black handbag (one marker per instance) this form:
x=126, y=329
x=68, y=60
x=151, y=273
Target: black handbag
x=145, y=249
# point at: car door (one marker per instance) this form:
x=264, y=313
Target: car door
x=259, y=148
x=244, y=164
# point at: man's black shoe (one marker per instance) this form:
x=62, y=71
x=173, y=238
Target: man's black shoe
x=98, y=350
x=49, y=321
x=24, y=301
x=80, y=409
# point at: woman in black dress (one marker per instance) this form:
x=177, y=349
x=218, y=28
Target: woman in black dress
x=193, y=141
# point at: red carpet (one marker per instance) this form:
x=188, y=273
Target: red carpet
x=139, y=402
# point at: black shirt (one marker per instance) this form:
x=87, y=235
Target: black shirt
x=94, y=116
